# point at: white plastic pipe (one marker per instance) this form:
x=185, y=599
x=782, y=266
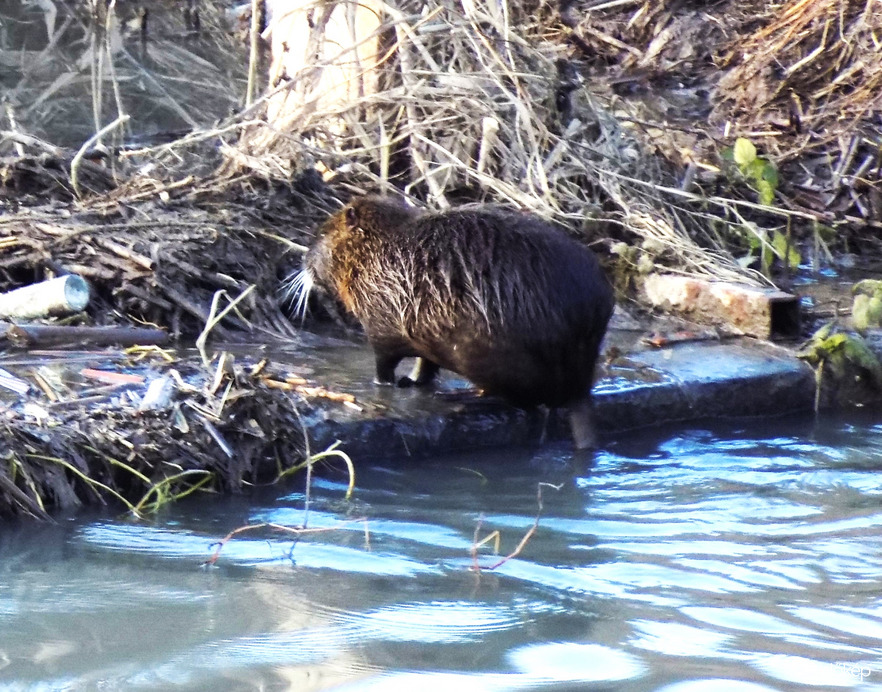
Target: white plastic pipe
x=62, y=296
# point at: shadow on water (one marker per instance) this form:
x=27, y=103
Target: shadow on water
x=742, y=558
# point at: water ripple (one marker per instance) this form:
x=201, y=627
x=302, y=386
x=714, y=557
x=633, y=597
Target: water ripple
x=431, y=622
x=746, y=559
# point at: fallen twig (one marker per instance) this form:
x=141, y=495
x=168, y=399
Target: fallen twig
x=39, y=336
x=495, y=535
x=297, y=531
x=88, y=144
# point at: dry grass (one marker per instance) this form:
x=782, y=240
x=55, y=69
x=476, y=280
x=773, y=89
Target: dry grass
x=474, y=110
x=94, y=67
x=808, y=84
x=801, y=79
x=485, y=100
x=816, y=60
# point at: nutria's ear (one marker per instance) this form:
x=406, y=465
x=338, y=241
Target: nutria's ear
x=350, y=217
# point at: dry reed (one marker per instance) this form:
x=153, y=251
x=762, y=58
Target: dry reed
x=474, y=108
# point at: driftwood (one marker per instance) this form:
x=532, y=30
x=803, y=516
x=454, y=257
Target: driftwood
x=43, y=336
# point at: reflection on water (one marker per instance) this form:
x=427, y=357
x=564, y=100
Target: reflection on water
x=740, y=560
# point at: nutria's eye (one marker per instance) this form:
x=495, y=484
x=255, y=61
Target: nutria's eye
x=350, y=217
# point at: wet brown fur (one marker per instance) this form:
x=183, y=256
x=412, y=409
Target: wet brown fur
x=502, y=298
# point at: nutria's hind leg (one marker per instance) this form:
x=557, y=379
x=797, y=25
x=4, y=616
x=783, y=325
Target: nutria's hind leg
x=546, y=415
x=582, y=424
x=386, y=364
x=424, y=371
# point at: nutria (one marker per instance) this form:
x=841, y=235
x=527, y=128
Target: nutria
x=502, y=298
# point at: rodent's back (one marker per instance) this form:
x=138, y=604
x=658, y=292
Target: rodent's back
x=528, y=309
x=506, y=273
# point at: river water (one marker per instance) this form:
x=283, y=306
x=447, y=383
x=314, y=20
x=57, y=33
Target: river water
x=742, y=559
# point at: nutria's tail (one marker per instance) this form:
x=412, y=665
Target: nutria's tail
x=582, y=424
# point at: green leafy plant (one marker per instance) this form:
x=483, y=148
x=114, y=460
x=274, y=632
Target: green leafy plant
x=847, y=361
x=771, y=244
x=758, y=170
x=762, y=175
x=866, y=310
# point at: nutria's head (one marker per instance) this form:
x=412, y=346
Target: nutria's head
x=347, y=243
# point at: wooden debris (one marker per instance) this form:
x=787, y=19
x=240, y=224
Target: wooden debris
x=302, y=386
x=112, y=377
x=36, y=336
x=662, y=339
x=13, y=383
x=67, y=442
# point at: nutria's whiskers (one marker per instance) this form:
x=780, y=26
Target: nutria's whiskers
x=296, y=289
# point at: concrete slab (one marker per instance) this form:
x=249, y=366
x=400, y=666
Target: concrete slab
x=681, y=382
